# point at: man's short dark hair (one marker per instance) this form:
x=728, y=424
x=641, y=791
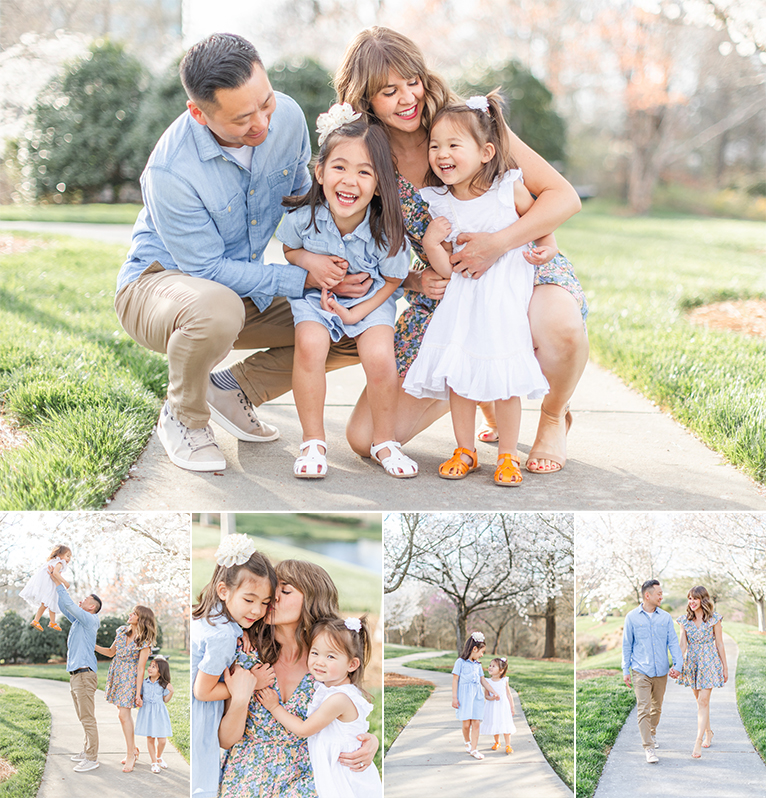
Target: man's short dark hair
x=222, y=61
x=98, y=602
x=648, y=585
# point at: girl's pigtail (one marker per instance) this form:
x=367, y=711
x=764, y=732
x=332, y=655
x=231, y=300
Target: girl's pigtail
x=502, y=139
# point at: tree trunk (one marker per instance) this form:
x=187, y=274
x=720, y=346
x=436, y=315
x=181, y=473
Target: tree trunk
x=550, y=628
x=760, y=608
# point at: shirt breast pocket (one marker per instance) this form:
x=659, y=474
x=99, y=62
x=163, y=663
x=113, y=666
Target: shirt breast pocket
x=231, y=220
x=280, y=185
x=642, y=633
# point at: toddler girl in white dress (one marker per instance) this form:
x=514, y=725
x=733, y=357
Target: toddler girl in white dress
x=338, y=711
x=498, y=715
x=40, y=591
x=478, y=346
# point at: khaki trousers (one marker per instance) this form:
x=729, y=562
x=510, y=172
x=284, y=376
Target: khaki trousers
x=650, y=691
x=198, y=322
x=83, y=688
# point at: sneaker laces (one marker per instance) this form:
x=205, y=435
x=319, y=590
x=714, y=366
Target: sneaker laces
x=246, y=403
x=199, y=438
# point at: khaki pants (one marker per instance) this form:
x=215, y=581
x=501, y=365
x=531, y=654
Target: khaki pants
x=83, y=688
x=650, y=691
x=198, y=322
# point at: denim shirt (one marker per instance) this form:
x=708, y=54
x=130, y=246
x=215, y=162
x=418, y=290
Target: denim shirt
x=81, y=652
x=208, y=216
x=646, y=638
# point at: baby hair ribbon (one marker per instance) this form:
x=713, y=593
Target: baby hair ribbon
x=338, y=115
x=354, y=624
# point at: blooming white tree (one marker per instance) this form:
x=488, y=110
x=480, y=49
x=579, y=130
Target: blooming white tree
x=479, y=560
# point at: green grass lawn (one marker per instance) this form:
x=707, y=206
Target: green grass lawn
x=640, y=274
x=25, y=727
x=85, y=395
x=603, y=704
x=401, y=704
x=359, y=590
x=179, y=677
x=546, y=692
x=394, y=650
x=304, y=526
x=94, y=213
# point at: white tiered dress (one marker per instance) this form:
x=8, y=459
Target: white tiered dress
x=478, y=342
x=331, y=779
x=498, y=717
x=41, y=589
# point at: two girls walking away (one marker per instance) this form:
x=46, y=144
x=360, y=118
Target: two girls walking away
x=484, y=706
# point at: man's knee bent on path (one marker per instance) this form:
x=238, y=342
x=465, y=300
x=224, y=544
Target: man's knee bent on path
x=648, y=636
x=212, y=190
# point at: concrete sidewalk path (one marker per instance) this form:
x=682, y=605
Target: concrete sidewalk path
x=108, y=780
x=428, y=757
x=730, y=768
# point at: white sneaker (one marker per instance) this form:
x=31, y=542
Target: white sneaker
x=651, y=757
x=233, y=411
x=192, y=449
x=78, y=757
x=86, y=765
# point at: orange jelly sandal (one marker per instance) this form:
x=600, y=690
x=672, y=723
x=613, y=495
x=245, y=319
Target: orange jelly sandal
x=54, y=625
x=456, y=467
x=37, y=625
x=508, y=473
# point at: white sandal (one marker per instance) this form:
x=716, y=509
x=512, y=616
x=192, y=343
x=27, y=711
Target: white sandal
x=397, y=464
x=314, y=460
x=477, y=754
x=468, y=747
x=155, y=767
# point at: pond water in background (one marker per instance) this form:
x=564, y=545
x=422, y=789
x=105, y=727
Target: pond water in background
x=367, y=554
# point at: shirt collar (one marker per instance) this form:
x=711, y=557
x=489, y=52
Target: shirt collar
x=362, y=231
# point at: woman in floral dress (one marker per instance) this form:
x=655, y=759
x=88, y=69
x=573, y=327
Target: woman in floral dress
x=383, y=74
x=263, y=759
x=130, y=651
x=704, y=659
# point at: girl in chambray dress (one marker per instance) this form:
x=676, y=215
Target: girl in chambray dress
x=153, y=720
x=351, y=214
x=468, y=686
x=237, y=596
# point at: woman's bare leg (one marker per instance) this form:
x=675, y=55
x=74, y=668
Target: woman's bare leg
x=412, y=416
x=561, y=348
x=126, y=721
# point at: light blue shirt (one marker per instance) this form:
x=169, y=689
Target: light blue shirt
x=81, y=643
x=207, y=215
x=214, y=645
x=646, y=639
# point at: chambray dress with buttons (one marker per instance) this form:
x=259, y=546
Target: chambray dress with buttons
x=470, y=694
x=363, y=255
x=702, y=664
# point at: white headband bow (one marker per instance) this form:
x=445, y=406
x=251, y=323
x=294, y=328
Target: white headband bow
x=234, y=550
x=338, y=115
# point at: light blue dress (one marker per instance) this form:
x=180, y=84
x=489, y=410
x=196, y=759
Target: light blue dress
x=363, y=255
x=214, y=646
x=470, y=694
x=153, y=719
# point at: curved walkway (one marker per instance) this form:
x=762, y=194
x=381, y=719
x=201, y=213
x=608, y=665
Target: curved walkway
x=108, y=780
x=428, y=757
x=730, y=768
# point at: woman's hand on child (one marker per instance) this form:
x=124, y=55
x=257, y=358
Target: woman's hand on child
x=325, y=271
x=361, y=759
x=268, y=698
x=478, y=254
x=537, y=256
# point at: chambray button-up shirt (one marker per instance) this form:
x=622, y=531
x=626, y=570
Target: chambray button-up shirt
x=81, y=642
x=210, y=217
x=646, y=639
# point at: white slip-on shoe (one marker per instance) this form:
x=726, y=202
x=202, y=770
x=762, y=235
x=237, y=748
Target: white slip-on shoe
x=651, y=757
x=86, y=765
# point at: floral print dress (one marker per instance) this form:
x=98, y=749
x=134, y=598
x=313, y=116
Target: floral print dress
x=121, y=679
x=702, y=664
x=413, y=321
x=269, y=761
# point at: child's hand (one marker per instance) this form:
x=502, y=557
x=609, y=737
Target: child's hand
x=326, y=271
x=539, y=255
x=268, y=698
x=330, y=304
x=455, y=703
x=264, y=675
x=437, y=231
x=245, y=643
x=240, y=682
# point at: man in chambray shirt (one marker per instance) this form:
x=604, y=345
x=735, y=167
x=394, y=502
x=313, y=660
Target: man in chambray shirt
x=195, y=284
x=647, y=637
x=82, y=667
